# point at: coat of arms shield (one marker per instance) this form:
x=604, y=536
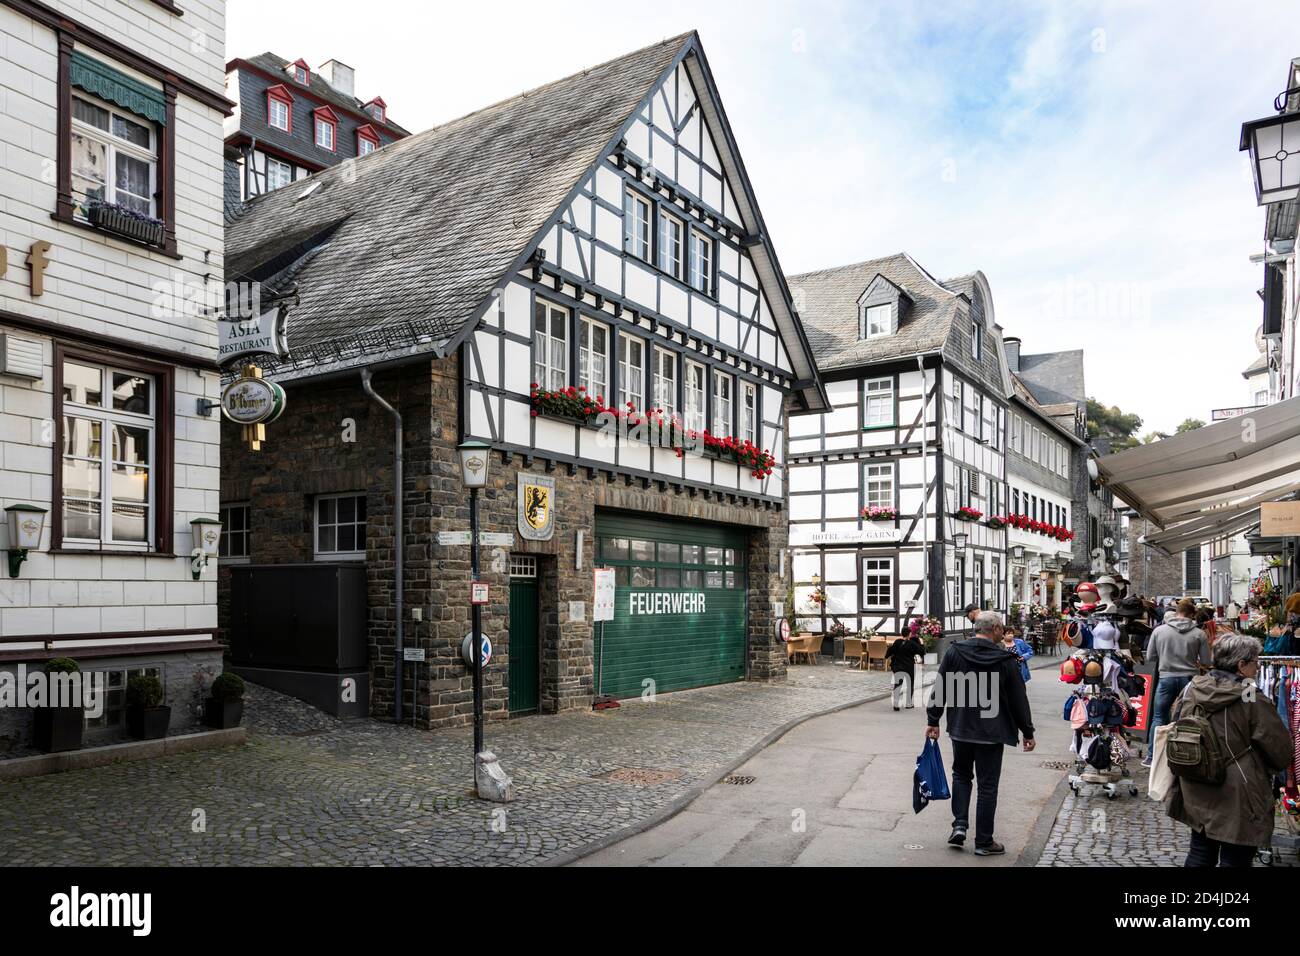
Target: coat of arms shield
x=536, y=506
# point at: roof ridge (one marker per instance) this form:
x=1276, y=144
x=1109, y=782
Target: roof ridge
x=867, y=262
x=681, y=37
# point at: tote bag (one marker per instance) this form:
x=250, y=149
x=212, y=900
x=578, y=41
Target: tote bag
x=1162, y=778
x=929, y=782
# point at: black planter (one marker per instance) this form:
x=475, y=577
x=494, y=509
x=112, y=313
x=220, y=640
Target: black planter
x=56, y=729
x=111, y=220
x=148, y=723
x=222, y=714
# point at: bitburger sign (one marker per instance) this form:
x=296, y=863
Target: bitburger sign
x=252, y=401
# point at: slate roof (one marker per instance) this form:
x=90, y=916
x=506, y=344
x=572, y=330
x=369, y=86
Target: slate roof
x=407, y=243
x=1054, y=377
x=275, y=65
x=827, y=302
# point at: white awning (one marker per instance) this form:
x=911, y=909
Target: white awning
x=1215, y=523
x=1254, y=456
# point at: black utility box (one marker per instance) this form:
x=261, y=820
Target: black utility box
x=301, y=616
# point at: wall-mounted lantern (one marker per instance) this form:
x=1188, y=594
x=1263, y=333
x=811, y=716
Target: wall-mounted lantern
x=26, y=522
x=207, y=542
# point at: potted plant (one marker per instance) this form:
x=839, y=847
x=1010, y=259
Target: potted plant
x=57, y=729
x=125, y=221
x=996, y=521
x=879, y=513
x=225, y=707
x=147, y=717
x=967, y=513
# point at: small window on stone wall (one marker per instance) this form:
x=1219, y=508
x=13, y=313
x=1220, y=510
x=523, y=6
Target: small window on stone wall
x=340, y=531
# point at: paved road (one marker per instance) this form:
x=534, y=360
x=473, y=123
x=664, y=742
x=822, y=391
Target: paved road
x=837, y=791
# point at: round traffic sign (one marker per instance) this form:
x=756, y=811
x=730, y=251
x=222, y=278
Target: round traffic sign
x=467, y=650
x=784, y=629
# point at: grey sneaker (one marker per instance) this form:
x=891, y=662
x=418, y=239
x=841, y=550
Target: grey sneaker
x=958, y=837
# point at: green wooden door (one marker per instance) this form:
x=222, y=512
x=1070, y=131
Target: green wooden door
x=524, y=650
x=679, y=607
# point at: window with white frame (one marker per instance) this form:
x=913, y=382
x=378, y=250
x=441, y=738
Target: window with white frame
x=324, y=133
x=977, y=583
x=878, y=402
x=277, y=113
x=300, y=74
x=723, y=400
x=593, y=358
x=341, y=527
x=695, y=392
x=277, y=174
x=701, y=266
x=878, y=485
x=636, y=225
x=108, y=436
x=976, y=340
x=113, y=712
x=550, y=345
x=114, y=158
x=959, y=404
x=631, y=371
x=749, y=412
x=235, y=532
x=877, y=583
x=666, y=381
x=365, y=146
x=959, y=581
x=672, y=244
x=877, y=320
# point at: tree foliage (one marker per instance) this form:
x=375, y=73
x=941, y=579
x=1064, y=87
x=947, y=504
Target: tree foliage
x=1112, y=422
x=1189, y=425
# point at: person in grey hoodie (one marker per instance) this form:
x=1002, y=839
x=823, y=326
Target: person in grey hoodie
x=1178, y=651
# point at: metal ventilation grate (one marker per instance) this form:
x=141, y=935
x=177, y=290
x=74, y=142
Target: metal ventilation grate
x=738, y=780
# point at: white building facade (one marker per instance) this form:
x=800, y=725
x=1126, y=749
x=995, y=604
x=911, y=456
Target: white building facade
x=112, y=238
x=892, y=492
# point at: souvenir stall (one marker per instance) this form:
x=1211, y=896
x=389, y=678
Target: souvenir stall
x=1279, y=680
x=1109, y=700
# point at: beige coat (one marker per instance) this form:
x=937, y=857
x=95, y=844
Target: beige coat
x=1240, y=810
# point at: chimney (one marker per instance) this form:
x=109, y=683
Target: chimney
x=1011, y=345
x=340, y=76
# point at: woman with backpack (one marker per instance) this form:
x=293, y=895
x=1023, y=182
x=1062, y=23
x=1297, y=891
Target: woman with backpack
x=1224, y=744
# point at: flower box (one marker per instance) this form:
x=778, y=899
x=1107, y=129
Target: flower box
x=996, y=522
x=124, y=222
x=968, y=514
x=874, y=513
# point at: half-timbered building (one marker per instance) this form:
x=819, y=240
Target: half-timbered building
x=918, y=385
x=517, y=277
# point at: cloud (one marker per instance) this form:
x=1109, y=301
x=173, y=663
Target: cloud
x=1084, y=147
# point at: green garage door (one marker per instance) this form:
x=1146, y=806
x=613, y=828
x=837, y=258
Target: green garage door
x=679, y=608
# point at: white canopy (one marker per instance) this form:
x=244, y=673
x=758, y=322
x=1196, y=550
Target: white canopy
x=1215, y=523
x=1256, y=456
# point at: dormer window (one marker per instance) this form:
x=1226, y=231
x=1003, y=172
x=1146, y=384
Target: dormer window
x=877, y=320
x=300, y=74
x=279, y=109
x=377, y=109
x=326, y=128
x=367, y=140
x=300, y=71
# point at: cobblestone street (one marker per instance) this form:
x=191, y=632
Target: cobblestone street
x=1128, y=831
x=311, y=790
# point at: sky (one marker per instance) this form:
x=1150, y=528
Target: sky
x=1083, y=155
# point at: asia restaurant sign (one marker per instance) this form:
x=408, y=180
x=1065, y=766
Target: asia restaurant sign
x=264, y=335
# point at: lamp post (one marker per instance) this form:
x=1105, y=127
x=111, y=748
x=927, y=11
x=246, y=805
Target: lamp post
x=474, y=474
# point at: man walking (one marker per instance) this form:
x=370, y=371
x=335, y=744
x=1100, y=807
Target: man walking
x=1177, y=651
x=902, y=656
x=980, y=686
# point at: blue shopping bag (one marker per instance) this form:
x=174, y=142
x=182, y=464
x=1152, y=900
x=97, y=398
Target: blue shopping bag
x=929, y=782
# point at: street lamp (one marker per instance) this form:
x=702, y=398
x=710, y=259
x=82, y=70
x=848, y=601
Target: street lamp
x=1018, y=552
x=474, y=475
x=1274, y=146
x=959, y=540
x=207, y=542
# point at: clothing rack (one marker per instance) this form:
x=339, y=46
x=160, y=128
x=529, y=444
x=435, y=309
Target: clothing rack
x=1121, y=779
x=1291, y=838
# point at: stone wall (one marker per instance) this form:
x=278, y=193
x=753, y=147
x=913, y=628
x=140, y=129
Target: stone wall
x=1152, y=572
x=305, y=455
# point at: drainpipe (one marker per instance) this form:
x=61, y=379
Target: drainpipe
x=397, y=539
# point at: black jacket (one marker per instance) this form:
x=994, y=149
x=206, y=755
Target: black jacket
x=902, y=655
x=980, y=686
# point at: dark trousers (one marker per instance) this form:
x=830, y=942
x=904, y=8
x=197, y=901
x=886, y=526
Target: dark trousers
x=1207, y=852
x=984, y=763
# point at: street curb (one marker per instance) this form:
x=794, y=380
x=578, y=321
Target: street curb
x=1042, y=831
x=682, y=802
x=39, y=765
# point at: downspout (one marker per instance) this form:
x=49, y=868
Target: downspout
x=398, y=584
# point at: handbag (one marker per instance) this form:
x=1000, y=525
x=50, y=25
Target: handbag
x=1162, y=779
x=929, y=782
